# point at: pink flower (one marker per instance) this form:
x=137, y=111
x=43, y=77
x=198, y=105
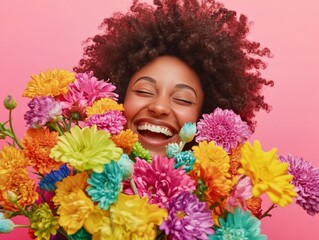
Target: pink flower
x=111, y=121
x=159, y=181
x=83, y=92
x=241, y=192
x=224, y=127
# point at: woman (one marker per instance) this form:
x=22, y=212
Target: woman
x=176, y=60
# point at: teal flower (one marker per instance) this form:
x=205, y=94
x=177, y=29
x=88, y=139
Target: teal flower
x=238, y=225
x=184, y=160
x=82, y=234
x=6, y=225
x=173, y=148
x=105, y=186
x=126, y=165
x=187, y=132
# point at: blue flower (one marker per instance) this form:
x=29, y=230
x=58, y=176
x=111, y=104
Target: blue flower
x=105, y=187
x=82, y=234
x=6, y=225
x=238, y=225
x=185, y=160
x=126, y=165
x=48, y=182
x=187, y=132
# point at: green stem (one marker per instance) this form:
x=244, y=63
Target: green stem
x=266, y=214
x=56, y=127
x=14, y=137
x=133, y=186
x=21, y=226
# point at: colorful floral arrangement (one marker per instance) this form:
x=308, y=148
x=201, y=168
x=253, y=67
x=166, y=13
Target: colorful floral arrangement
x=78, y=174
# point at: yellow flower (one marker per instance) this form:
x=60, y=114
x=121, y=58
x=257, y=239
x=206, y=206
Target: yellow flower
x=11, y=159
x=86, y=148
x=267, y=174
x=103, y=105
x=125, y=140
x=43, y=222
x=77, y=211
x=132, y=218
x=51, y=83
x=69, y=185
x=211, y=155
x=37, y=145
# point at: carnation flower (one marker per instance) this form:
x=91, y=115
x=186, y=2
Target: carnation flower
x=49, y=83
x=125, y=140
x=83, y=92
x=132, y=218
x=86, y=148
x=267, y=174
x=37, y=147
x=42, y=111
x=184, y=160
x=188, y=218
x=306, y=182
x=49, y=180
x=224, y=127
x=110, y=121
x=43, y=222
x=187, y=132
x=239, y=225
x=159, y=181
x=105, y=187
x=103, y=105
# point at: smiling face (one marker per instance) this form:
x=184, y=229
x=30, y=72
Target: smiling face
x=160, y=98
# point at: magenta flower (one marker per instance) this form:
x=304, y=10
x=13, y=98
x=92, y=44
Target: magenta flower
x=224, y=127
x=42, y=110
x=45, y=197
x=83, y=92
x=306, y=182
x=188, y=218
x=111, y=121
x=242, y=191
x=159, y=181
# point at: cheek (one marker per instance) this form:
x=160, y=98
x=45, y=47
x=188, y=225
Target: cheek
x=189, y=115
x=132, y=106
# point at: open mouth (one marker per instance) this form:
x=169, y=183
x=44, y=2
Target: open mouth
x=154, y=132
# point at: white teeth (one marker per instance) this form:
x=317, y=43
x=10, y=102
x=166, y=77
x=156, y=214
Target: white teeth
x=157, y=129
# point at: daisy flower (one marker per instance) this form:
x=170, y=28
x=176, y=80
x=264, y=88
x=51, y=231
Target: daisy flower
x=103, y=105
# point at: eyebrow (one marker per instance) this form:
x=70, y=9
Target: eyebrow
x=179, y=85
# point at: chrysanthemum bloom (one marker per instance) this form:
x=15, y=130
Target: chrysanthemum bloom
x=105, y=187
x=83, y=92
x=187, y=132
x=43, y=222
x=224, y=127
x=37, y=145
x=42, y=111
x=234, y=160
x=20, y=184
x=254, y=205
x=239, y=225
x=188, y=218
x=211, y=155
x=49, y=180
x=139, y=151
x=77, y=211
x=159, y=181
x=125, y=140
x=184, y=160
x=111, y=121
x=6, y=225
x=268, y=175
x=306, y=182
x=69, y=185
x=11, y=159
x=103, y=105
x=241, y=192
x=86, y=148
x=49, y=83
x=132, y=218
x=173, y=149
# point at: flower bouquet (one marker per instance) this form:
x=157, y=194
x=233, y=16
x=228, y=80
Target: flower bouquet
x=78, y=174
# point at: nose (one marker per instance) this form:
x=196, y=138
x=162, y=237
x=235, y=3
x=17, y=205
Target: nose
x=160, y=106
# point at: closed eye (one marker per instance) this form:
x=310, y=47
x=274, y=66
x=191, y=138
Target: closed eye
x=183, y=101
x=143, y=93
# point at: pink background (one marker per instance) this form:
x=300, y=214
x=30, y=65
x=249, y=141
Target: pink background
x=37, y=35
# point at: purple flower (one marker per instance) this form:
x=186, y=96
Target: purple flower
x=224, y=127
x=188, y=218
x=42, y=110
x=111, y=121
x=306, y=182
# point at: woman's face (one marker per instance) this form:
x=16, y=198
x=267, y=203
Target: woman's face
x=161, y=97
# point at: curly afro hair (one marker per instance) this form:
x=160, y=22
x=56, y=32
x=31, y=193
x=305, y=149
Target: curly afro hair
x=208, y=37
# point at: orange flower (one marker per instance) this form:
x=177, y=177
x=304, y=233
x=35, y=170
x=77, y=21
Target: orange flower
x=20, y=184
x=37, y=146
x=125, y=140
x=219, y=212
x=69, y=185
x=234, y=160
x=254, y=205
x=11, y=159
